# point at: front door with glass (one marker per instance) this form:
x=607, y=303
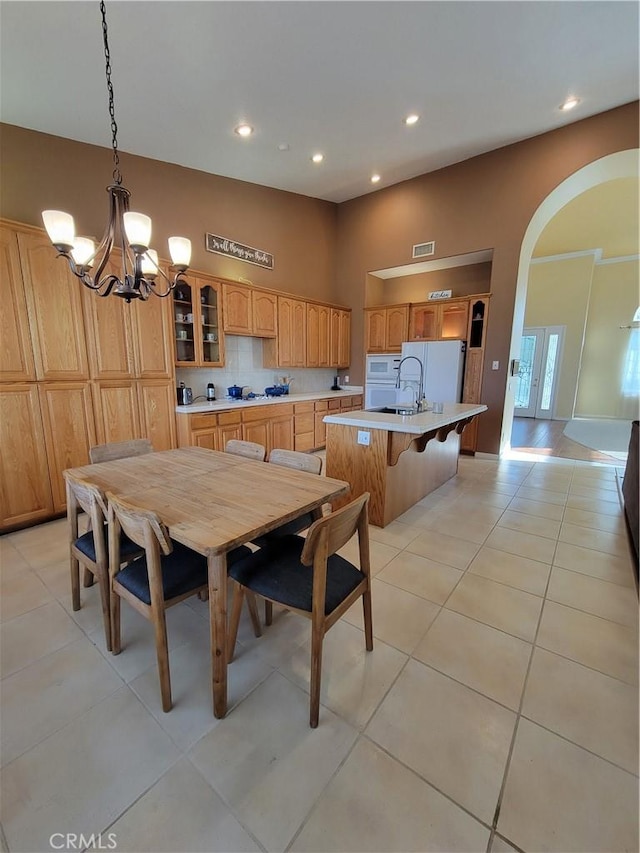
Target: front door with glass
x=537, y=380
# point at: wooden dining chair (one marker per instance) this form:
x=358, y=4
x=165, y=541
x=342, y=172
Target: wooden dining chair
x=119, y=450
x=90, y=548
x=308, y=577
x=249, y=449
x=300, y=462
x=167, y=574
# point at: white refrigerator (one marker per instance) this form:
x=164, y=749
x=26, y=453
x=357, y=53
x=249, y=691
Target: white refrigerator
x=443, y=367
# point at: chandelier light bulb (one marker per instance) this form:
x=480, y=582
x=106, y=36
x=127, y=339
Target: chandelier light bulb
x=180, y=249
x=137, y=227
x=60, y=227
x=83, y=251
x=150, y=263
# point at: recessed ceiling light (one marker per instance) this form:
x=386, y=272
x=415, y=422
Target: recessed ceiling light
x=284, y=146
x=411, y=119
x=375, y=178
x=318, y=158
x=244, y=130
x=570, y=103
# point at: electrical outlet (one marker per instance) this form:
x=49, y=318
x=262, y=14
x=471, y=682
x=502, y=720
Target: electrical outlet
x=346, y=380
x=364, y=437
x=495, y=365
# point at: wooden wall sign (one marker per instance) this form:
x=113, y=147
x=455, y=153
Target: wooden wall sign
x=230, y=248
x=440, y=294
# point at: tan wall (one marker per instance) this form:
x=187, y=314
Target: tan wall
x=462, y=281
x=483, y=203
x=41, y=171
x=558, y=295
x=614, y=300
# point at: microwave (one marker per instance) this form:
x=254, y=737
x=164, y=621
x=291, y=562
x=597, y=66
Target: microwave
x=382, y=368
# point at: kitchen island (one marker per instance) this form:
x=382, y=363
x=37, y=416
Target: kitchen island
x=399, y=459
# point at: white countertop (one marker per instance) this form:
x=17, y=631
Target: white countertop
x=414, y=424
x=225, y=405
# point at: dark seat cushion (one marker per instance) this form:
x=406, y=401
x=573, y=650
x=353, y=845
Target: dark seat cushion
x=183, y=570
x=277, y=573
x=296, y=525
x=85, y=544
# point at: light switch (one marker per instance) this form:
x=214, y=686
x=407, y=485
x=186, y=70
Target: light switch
x=364, y=437
x=495, y=365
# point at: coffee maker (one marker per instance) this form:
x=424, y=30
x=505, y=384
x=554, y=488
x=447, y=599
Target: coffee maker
x=185, y=395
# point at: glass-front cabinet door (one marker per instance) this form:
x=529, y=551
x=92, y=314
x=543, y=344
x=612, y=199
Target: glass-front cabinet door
x=210, y=331
x=183, y=321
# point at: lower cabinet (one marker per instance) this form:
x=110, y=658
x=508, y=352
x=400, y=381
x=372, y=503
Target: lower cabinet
x=304, y=426
x=271, y=426
x=25, y=487
x=69, y=431
x=156, y=403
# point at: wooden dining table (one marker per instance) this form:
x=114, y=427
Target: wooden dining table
x=212, y=502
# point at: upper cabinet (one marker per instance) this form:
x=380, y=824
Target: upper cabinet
x=55, y=311
x=196, y=321
x=248, y=311
x=289, y=348
x=318, y=335
x=386, y=327
x=340, y=337
x=439, y=321
x=16, y=358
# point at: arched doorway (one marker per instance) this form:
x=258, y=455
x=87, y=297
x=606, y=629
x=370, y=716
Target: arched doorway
x=623, y=164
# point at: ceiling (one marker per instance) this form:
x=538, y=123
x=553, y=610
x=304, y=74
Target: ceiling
x=335, y=77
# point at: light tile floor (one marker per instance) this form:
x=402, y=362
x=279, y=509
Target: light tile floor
x=497, y=712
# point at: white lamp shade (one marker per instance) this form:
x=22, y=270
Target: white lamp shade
x=137, y=227
x=150, y=263
x=180, y=249
x=83, y=250
x=60, y=227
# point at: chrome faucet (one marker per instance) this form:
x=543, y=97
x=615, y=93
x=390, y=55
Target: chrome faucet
x=421, y=403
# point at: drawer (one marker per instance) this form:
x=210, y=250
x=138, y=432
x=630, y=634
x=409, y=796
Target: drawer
x=304, y=423
x=334, y=405
x=204, y=421
x=282, y=410
x=258, y=413
x=346, y=404
x=357, y=402
x=225, y=418
x=322, y=405
x=305, y=441
x=303, y=408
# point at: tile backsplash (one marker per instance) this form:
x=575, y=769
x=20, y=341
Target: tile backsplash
x=243, y=366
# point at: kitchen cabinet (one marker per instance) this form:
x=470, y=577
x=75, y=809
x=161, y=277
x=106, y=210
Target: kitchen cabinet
x=69, y=431
x=474, y=364
x=249, y=311
x=54, y=307
x=271, y=426
x=153, y=330
x=115, y=403
x=289, y=348
x=304, y=426
x=320, y=409
x=439, y=321
x=340, y=337
x=16, y=352
x=25, y=488
x=318, y=326
x=210, y=430
x=199, y=339
x=110, y=335
x=386, y=327
x=156, y=405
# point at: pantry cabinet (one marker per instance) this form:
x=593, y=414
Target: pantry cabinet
x=474, y=365
x=16, y=352
x=76, y=369
x=25, y=487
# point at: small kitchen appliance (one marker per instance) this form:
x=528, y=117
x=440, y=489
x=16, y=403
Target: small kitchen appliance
x=211, y=391
x=185, y=395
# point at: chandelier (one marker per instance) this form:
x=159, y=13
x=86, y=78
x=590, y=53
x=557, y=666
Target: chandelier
x=127, y=231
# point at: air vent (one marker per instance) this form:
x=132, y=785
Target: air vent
x=421, y=250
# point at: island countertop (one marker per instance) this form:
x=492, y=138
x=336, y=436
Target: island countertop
x=417, y=424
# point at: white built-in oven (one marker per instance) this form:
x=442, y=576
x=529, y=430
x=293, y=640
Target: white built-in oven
x=383, y=367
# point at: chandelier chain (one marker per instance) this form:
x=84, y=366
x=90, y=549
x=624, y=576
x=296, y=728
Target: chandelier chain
x=117, y=176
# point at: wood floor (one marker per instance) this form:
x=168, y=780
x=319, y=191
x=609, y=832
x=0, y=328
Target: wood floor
x=546, y=438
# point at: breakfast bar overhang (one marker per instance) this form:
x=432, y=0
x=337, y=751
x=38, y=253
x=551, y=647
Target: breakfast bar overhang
x=398, y=459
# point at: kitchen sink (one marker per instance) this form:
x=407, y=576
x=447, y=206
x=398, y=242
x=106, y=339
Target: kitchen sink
x=398, y=410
